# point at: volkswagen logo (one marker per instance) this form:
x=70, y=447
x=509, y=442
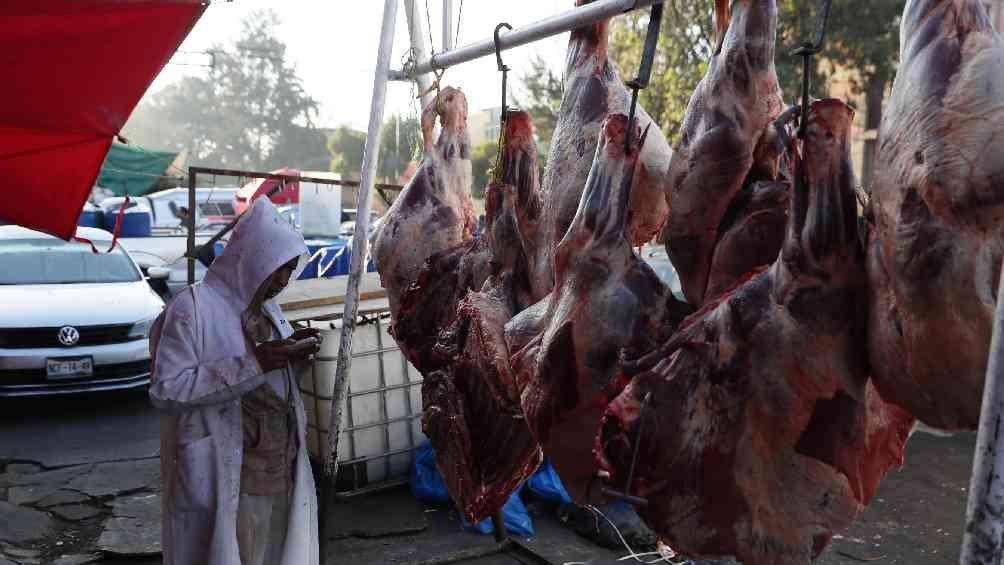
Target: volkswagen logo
x=68, y=336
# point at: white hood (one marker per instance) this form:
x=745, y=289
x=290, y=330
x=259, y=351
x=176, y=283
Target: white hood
x=260, y=244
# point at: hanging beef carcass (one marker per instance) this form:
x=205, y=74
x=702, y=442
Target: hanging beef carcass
x=760, y=435
x=936, y=201
x=472, y=409
x=727, y=144
x=593, y=89
x=566, y=347
x=434, y=212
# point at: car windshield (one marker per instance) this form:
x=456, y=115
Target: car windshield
x=53, y=261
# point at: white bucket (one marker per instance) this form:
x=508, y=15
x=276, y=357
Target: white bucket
x=381, y=423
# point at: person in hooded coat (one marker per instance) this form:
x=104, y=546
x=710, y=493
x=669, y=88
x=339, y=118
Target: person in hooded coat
x=238, y=488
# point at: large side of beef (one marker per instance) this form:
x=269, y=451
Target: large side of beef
x=472, y=410
x=434, y=211
x=592, y=88
x=727, y=144
x=937, y=202
x=566, y=347
x=761, y=436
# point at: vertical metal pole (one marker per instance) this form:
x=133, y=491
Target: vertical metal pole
x=418, y=33
x=357, y=264
x=447, y=25
x=190, y=221
x=982, y=542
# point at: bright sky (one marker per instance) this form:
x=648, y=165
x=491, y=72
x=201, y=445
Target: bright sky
x=333, y=45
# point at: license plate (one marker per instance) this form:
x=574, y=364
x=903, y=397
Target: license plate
x=69, y=367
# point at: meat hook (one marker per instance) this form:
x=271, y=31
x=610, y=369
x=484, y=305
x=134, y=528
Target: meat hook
x=644, y=68
x=626, y=496
x=806, y=51
x=503, y=68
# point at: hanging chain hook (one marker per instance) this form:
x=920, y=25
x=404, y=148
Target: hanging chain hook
x=806, y=51
x=644, y=68
x=502, y=67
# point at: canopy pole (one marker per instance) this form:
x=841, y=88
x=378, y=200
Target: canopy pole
x=190, y=224
x=420, y=51
x=447, y=25
x=357, y=262
x=566, y=21
x=981, y=540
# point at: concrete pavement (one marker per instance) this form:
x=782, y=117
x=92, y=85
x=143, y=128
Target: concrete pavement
x=79, y=482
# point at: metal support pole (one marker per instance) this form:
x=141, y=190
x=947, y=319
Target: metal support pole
x=982, y=542
x=447, y=25
x=418, y=33
x=566, y=21
x=358, y=260
x=190, y=222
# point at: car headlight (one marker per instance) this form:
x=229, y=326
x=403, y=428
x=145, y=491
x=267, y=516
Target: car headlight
x=141, y=329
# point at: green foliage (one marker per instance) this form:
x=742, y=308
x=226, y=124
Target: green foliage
x=482, y=160
x=346, y=148
x=862, y=36
x=542, y=100
x=400, y=143
x=685, y=45
x=249, y=112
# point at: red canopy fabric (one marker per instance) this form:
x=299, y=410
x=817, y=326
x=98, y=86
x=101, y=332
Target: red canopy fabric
x=75, y=69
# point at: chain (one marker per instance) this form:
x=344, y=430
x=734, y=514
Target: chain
x=496, y=173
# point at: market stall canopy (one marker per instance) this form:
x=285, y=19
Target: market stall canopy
x=130, y=170
x=75, y=70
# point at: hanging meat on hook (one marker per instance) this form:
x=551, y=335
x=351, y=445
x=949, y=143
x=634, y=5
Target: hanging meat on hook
x=472, y=411
x=434, y=211
x=605, y=299
x=937, y=202
x=592, y=89
x=762, y=436
x=727, y=144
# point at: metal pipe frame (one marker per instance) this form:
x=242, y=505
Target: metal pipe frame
x=418, y=33
x=447, y=25
x=357, y=264
x=554, y=25
x=983, y=537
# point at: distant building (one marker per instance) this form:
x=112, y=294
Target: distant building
x=484, y=125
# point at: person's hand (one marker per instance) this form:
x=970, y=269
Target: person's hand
x=304, y=333
x=274, y=354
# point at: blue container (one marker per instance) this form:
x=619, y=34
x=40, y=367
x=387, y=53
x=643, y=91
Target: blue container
x=91, y=217
x=136, y=224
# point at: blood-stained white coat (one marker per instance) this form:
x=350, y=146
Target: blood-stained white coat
x=202, y=364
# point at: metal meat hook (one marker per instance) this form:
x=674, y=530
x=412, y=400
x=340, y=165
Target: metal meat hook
x=502, y=67
x=806, y=51
x=645, y=68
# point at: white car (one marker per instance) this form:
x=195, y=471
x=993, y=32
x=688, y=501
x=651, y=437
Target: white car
x=72, y=320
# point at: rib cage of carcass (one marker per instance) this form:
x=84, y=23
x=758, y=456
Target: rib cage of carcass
x=762, y=414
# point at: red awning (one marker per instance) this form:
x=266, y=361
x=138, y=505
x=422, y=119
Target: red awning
x=74, y=71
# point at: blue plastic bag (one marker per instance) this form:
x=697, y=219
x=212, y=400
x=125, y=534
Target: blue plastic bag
x=545, y=484
x=514, y=514
x=427, y=484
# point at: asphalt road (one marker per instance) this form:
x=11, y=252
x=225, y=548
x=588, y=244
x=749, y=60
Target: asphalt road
x=916, y=518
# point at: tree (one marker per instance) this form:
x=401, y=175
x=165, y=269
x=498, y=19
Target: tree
x=541, y=100
x=862, y=39
x=346, y=148
x=400, y=144
x=250, y=112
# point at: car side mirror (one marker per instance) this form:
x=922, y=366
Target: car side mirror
x=158, y=273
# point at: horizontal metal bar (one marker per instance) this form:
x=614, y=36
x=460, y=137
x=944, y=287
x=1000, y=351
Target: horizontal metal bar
x=276, y=176
x=560, y=23
x=370, y=391
x=371, y=425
